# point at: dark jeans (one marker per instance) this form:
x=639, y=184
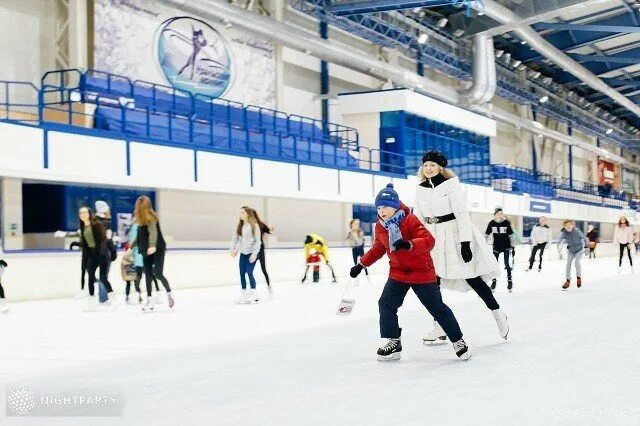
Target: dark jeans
x=316, y=275
x=622, y=247
x=94, y=263
x=507, y=264
x=482, y=289
x=357, y=253
x=246, y=268
x=136, y=283
x=263, y=266
x=153, y=267
x=392, y=297
x=538, y=247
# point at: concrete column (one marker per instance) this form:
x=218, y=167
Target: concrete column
x=278, y=14
x=78, y=34
x=11, y=211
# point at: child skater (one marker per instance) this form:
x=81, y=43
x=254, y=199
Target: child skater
x=3, y=265
x=407, y=244
x=315, y=241
x=576, y=244
x=313, y=260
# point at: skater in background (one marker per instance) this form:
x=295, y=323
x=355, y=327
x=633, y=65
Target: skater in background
x=264, y=230
x=93, y=238
x=592, y=236
x=407, y=244
x=541, y=235
x=577, y=244
x=623, y=236
x=246, y=241
x=138, y=264
x=636, y=241
x=463, y=260
x=151, y=244
x=84, y=261
x=313, y=261
x=315, y=241
x=3, y=265
x=355, y=240
x=500, y=231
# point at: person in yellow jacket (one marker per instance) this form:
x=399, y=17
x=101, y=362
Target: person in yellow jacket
x=315, y=241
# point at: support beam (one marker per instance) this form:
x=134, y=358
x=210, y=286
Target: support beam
x=622, y=58
x=324, y=81
x=568, y=40
x=354, y=8
x=599, y=68
x=570, y=159
x=557, y=26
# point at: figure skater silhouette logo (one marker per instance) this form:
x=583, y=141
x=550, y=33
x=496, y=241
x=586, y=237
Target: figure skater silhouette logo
x=194, y=57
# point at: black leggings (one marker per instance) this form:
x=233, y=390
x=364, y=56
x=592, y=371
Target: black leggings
x=357, y=253
x=538, y=247
x=96, y=262
x=482, y=289
x=592, y=251
x=1, y=291
x=84, y=263
x=622, y=247
x=263, y=265
x=153, y=266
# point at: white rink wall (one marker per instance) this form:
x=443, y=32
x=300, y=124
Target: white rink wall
x=51, y=275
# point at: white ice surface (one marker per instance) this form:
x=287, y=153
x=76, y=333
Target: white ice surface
x=571, y=358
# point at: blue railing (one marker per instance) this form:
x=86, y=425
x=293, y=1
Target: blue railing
x=92, y=84
x=520, y=180
x=18, y=101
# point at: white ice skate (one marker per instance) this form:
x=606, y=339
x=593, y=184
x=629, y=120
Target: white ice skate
x=170, y=299
x=501, y=320
x=80, y=295
x=435, y=337
x=91, y=305
x=462, y=350
x=252, y=297
x=242, y=299
x=4, y=309
x=148, y=307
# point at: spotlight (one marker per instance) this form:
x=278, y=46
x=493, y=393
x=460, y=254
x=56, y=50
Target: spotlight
x=523, y=42
x=609, y=131
x=442, y=22
x=516, y=64
x=423, y=38
x=544, y=99
x=499, y=53
x=458, y=33
x=307, y=52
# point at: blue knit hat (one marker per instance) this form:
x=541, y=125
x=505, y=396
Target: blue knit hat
x=388, y=197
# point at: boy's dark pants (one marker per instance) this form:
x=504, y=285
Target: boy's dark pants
x=429, y=294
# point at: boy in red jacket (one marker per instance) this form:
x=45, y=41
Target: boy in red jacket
x=408, y=244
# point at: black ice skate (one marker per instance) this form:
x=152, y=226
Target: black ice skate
x=510, y=286
x=462, y=350
x=390, y=351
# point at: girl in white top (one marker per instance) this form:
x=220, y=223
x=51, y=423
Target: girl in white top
x=462, y=257
x=623, y=235
x=540, y=237
x=246, y=241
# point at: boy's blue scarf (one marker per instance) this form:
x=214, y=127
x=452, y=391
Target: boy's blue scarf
x=393, y=227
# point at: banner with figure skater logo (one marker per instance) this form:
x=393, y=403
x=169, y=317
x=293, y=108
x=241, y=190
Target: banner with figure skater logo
x=145, y=40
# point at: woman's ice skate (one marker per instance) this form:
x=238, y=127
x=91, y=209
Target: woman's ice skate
x=435, y=337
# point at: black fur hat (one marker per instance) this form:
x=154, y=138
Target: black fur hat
x=435, y=156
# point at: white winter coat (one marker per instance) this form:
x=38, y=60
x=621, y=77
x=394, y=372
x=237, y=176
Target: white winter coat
x=540, y=234
x=453, y=271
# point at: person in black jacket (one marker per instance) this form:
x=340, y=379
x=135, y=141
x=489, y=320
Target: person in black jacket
x=501, y=231
x=93, y=239
x=264, y=230
x=152, y=246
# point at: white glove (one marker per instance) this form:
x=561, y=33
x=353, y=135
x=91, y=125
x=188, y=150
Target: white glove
x=59, y=234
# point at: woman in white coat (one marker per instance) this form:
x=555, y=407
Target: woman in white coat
x=462, y=257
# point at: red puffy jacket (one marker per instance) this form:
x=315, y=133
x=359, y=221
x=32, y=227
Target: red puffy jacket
x=413, y=266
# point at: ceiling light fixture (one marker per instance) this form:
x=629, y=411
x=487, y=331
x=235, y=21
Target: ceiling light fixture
x=423, y=38
x=544, y=99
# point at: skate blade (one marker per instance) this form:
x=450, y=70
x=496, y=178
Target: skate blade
x=438, y=342
x=389, y=358
x=465, y=356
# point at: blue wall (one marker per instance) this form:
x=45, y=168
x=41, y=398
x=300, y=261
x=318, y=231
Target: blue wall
x=411, y=135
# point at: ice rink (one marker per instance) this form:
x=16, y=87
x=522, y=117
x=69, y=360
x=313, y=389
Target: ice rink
x=571, y=357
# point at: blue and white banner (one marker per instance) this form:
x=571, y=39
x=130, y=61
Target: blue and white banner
x=144, y=40
x=539, y=206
